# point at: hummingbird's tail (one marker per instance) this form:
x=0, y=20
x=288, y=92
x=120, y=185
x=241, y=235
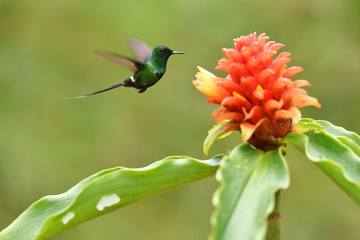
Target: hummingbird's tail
x=101, y=91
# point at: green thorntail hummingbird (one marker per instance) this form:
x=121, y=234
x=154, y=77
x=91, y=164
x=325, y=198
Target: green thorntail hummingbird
x=148, y=66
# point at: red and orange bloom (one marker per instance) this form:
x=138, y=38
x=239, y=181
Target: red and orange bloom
x=258, y=95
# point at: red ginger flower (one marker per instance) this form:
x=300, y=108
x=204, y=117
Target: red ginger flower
x=257, y=96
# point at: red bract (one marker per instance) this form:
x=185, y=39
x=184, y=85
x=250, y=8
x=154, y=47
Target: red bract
x=258, y=94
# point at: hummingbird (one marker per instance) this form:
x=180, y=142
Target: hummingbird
x=148, y=66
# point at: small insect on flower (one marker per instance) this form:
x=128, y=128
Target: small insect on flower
x=257, y=97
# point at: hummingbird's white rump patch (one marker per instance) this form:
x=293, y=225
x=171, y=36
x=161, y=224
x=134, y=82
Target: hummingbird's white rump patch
x=132, y=78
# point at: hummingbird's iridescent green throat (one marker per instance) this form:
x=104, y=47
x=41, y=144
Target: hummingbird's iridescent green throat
x=148, y=67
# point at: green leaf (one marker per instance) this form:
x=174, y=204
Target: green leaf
x=219, y=131
x=335, y=150
x=104, y=192
x=249, y=180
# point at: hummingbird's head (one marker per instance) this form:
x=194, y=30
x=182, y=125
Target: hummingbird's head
x=163, y=52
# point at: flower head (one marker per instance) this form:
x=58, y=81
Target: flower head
x=257, y=96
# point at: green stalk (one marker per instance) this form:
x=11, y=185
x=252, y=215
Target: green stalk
x=274, y=221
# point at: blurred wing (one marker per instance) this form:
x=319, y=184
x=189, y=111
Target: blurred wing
x=139, y=50
x=119, y=59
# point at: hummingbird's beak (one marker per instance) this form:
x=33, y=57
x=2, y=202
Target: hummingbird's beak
x=175, y=52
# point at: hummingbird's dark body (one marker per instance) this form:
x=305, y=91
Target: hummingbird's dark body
x=148, y=67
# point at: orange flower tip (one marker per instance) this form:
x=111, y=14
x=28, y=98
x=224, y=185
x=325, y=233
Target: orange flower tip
x=210, y=101
x=233, y=116
x=262, y=39
x=279, y=63
x=243, y=100
x=247, y=129
x=304, y=100
x=225, y=50
x=206, y=72
x=258, y=95
x=283, y=114
x=284, y=55
x=296, y=115
x=267, y=55
x=271, y=105
x=276, y=46
x=235, y=94
x=208, y=92
x=292, y=71
x=300, y=83
x=259, y=88
x=255, y=114
x=223, y=62
x=266, y=74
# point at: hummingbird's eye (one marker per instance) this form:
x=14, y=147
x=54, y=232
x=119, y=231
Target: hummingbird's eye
x=162, y=49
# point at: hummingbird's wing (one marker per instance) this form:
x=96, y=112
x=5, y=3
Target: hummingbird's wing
x=139, y=50
x=133, y=65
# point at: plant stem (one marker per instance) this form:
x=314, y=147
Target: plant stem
x=274, y=221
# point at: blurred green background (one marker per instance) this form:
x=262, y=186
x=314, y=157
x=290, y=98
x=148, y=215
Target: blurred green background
x=48, y=143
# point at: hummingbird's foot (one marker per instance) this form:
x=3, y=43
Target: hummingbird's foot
x=142, y=90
